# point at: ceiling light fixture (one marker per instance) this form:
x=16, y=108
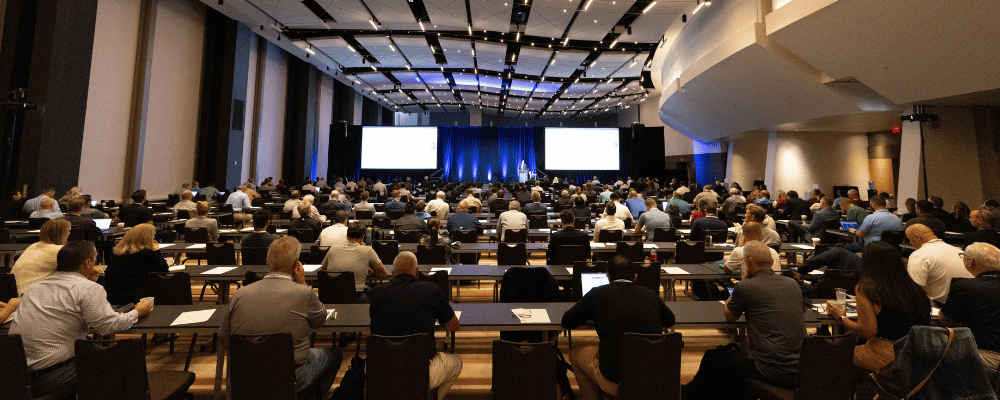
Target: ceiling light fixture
x=310, y=50
x=648, y=7
x=565, y=41
x=700, y=5
x=421, y=23
x=470, y=29
x=518, y=37
x=586, y=6
x=372, y=22
x=684, y=18
x=351, y=49
x=613, y=44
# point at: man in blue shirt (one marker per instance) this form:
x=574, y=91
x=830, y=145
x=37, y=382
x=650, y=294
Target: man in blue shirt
x=394, y=208
x=875, y=224
x=678, y=199
x=462, y=220
x=635, y=204
x=710, y=222
x=241, y=206
x=650, y=220
x=825, y=214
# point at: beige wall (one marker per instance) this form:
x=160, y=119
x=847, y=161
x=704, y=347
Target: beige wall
x=749, y=159
x=324, y=109
x=826, y=159
x=109, y=99
x=174, y=94
x=952, y=164
x=270, y=138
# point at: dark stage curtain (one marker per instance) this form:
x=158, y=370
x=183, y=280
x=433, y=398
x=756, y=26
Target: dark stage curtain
x=484, y=153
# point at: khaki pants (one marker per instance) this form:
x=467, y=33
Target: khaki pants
x=586, y=368
x=240, y=219
x=445, y=368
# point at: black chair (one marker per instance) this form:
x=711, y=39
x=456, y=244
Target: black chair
x=8, y=286
x=610, y=235
x=569, y=254
x=538, y=221
x=825, y=371
x=581, y=223
x=252, y=277
x=837, y=278
x=690, y=252
x=718, y=236
x=397, y=367
x=650, y=366
x=262, y=367
x=648, y=276
x=336, y=288
x=285, y=214
x=76, y=234
x=183, y=214
x=394, y=214
x=511, y=254
x=221, y=253
x=254, y=256
x=225, y=208
x=364, y=214
x=387, y=250
x=116, y=369
x=524, y=371
x=583, y=267
x=894, y=238
x=466, y=236
x=36, y=223
x=631, y=250
x=304, y=235
x=315, y=255
x=527, y=285
x=665, y=235
x=439, y=278
x=195, y=235
x=432, y=254
x=515, y=235
x=173, y=289
x=407, y=236
x=16, y=384
x=382, y=222
x=629, y=223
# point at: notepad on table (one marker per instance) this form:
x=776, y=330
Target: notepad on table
x=532, y=315
x=446, y=269
x=193, y=317
x=570, y=270
x=815, y=272
x=165, y=245
x=802, y=246
x=218, y=270
x=311, y=267
x=175, y=268
x=597, y=245
x=675, y=271
x=650, y=246
x=197, y=246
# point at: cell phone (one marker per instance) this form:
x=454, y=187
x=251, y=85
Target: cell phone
x=126, y=308
x=851, y=308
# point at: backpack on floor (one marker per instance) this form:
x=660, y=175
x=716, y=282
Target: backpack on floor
x=352, y=385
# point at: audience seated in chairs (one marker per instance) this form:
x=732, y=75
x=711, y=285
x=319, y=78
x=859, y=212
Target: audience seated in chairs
x=135, y=256
x=259, y=238
x=203, y=221
x=39, y=260
x=307, y=222
x=609, y=221
x=354, y=256
x=651, y=220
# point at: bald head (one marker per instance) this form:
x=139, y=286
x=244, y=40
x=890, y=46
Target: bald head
x=440, y=195
x=405, y=263
x=982, y=257
x=918, y=234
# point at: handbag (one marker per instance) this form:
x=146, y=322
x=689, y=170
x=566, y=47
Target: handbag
x=881, y=393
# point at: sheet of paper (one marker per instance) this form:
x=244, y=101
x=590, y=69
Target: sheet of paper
x=544, y=230
x=193, y=317
x=35, y=231
x=815, y=272
x=570, y=270
x=225, y=231
x=675, y=271
x=802, y=246
x=197, y=246
x=684, y=231
x=458, y=314
x=281, y=231
x=330, y=313
x=218, y=270
x=650, y=246
x=723, y=302
x=597, y=245
x=532, y=315
x=174, y=268
x=446, y=269
x=165, y=245
x=935, y=311
x=311, y=267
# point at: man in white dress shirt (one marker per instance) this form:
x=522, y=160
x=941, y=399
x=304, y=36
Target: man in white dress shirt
x=439, y=207
x=513, y=218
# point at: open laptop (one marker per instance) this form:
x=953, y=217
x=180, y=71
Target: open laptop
x=666, y=205
x=103, y=224
x=848, y=225
x=222, y=193
x=93, y=203
x=590, y=280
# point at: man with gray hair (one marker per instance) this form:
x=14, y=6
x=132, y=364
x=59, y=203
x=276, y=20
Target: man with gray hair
x=982, y=220
x=513, y=218
x=47, y=209
x=405, y=306
x=283, y=302
x=974, y=303
x=776, y=327
x=186, y=204
x=438, y=208
x=536, y=207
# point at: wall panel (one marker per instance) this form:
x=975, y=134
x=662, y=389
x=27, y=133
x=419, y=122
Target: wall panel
x=271, y=137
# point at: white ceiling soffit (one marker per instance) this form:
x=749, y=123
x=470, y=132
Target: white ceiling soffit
x=906, y=50
x=345, y=11
x=532, y=61
x=649, y=27
x=379, y=47
x=446, y=14
x=490, y=15
x=392, y=11
x=490, y=56
x=550, y=19
x=416, y=50
x=598, y=20
x=289, y=12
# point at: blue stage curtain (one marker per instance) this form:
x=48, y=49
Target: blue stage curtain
x=514, y=145
x=484, y=153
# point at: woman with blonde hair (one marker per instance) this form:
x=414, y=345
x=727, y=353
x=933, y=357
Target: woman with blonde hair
x=71, y=194
x=39, y=260
x=203, y=221
x=134, y=257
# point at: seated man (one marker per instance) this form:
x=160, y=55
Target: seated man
x=313, y=212
x=47, y=209
x=354, y=256
x=609, y=221
x=513, y=219
x=409, y=221
x=439, y=207
x=652, y=219
x=394, y=208
x=875, y=224
x=621, y=211
x=678, y=198
x=406, y=305
x=306, y=221
x=293, y=202
x=934, y=263
x=73, y=209
x=56, y=312
x=259, y=238
x=240, y=201
x=499, y=204
x=536, y=207
x=635, y=203
x=568, y=235
x=974, y=303
x=710, y=222
x=982, y=220
x=835, y=258
x=135, y=213
x=852, y=212
x=755, y=213
x=336, y=234
x=473, y=201
x=815, y=229
x=564, y=201
x=775, y=326
x=35, y=203
x=363, y=204
x=462, y=220
x=580, y=208
x=925, y=216
x=751, y=231
x=619, y=307
x=203, y=221
x=210, y=192
x=185, y=203
x=283, y=302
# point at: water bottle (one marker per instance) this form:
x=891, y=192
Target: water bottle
x=652, y=255
x=368, y=236
x=708, y=239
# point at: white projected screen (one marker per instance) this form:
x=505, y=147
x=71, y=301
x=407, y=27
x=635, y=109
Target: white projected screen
x=581, y=149
x=388, y=147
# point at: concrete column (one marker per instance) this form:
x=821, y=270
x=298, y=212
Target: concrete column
x=909, y=162
x=475, y=115
x=772, y=156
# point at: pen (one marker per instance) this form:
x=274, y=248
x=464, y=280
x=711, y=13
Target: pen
x=334, y=314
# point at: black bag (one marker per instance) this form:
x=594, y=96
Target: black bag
x=707, y=290
x=712, y=380
x=352, y=385
x=562, y=379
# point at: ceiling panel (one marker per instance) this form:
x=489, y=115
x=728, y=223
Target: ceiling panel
x=424, y=97
x=631, y=69
x=398, y=97
x=550, y=18
x=566, y=62
x=445, y=96
x=377, y=80
x=446, y=14
x=491, y=15
x=435, y=80
x=288, y=12
x=453, y=108
x=490, y=55
x=379, y=47
x=410, y=80
x=345, y=10
x=598, y=20
x=416, y=50
x=649, y=27
x=413, y=109
x=458, y=53
x=390, y=11
x=532, y=60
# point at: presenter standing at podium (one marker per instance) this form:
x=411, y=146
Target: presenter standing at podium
x=523, y=172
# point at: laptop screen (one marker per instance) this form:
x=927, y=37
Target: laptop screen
x=222, y=193
x=666, y=204
x=103, y=223
x=591, y=280
x=93, y=203
x=848, y=225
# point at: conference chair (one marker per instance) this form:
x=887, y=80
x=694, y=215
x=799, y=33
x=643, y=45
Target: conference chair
x=665, y=235
x=262, y=367
x=515, y=235
x=195, y=235
x=407, y=236
x=220, y=253
x=315, y=255
x=631, y=250
x=225, y=208
x=569, y=254
x=688, y=252
x=173, y=289
x=648, y=276
x=183, y=214
x=837, y=278
x=466, y=236
x=252, y=277
x=254, y=256
x=304, y=235
x=397, y=367
x=826, y=367
x=159, y=208
x=610, y=235
x=8, y=287
x=116, y=369
x=527, y=285
x=387, y=250
x=524, y=371
x=36, y=223
x=336, y=288
x=364, y=214
x=581, y=223
x=511, y=254
x=381, y=222
x=16, y=383
x=629, y=223
x=894, y=238
x=439, y=278
x=434, y=254
x=650, y=366
x=538, y=221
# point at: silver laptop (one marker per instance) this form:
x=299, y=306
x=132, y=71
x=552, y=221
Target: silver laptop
x=103, y=224
x=93, y=203
x=590, y=280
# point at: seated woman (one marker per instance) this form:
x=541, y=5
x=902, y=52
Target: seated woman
x=39, y=260
x=135, y=256
x=203, y=221
x=580, y=208
x=889, y=304
x=434, y=227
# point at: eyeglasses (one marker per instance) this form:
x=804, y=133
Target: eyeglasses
x=522, y=313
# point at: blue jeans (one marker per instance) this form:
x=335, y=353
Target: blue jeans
x=320, y=369
x=59, y=383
